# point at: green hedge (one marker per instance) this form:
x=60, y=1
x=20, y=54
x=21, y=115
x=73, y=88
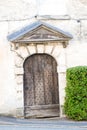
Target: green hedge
x=75, y=106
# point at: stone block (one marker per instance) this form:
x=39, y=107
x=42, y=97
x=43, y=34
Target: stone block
x=19, y=71
x=32, y=49
x=23, y=52
x=20, y=112
x=57, y=50
x=40, y=48
x=19, y=79
x=17, y=9
x=48, y=49
x=77, y=9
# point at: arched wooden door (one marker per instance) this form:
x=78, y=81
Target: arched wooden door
x=41, y=97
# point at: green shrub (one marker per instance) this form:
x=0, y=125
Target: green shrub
x=75, y=106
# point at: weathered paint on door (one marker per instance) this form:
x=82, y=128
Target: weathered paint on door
x=41, y=97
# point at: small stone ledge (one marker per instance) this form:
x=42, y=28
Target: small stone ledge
x=53, y=17
x=20, y=112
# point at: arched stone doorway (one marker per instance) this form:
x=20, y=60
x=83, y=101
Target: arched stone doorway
x=41, y=96
x=41, y=39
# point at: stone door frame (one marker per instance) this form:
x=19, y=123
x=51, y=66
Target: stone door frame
x=21, y=52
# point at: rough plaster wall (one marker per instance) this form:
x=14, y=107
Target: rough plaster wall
x=77, y=9
x=17, y=9
x=52, y=7
x=7, y=86
x=18, y=13
x=77, y=49
x=13, y=15
x=26, y=9
x=77, y=54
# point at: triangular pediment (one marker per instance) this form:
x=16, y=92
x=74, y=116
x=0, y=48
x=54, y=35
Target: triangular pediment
x=42, y=34
x=39, y=32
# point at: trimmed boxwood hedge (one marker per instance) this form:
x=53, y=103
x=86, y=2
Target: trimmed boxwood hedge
x=75, y=106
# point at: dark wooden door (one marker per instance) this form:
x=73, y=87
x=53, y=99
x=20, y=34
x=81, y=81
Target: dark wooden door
x=41, y=97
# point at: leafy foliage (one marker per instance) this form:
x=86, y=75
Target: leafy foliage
x=75, y=106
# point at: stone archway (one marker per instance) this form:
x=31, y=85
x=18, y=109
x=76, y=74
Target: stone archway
x=57, y=52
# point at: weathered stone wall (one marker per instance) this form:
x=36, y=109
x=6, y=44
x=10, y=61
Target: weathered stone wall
x=19, y=13
x=77, y=9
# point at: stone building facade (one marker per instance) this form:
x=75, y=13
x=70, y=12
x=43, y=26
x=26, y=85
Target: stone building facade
x=65, y=20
